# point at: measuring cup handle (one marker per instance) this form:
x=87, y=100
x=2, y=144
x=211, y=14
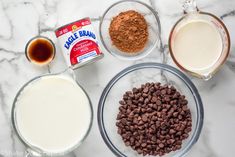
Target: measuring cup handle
x=27, y=154
x=189, y=6
x=31, y=153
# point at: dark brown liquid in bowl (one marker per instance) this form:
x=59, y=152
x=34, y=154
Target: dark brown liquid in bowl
x=40, y=51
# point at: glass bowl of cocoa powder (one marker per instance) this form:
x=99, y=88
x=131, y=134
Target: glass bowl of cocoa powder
x=129, y=30
x=150, y=109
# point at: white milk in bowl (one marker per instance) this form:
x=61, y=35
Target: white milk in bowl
x=52, y=114
x=197, y=46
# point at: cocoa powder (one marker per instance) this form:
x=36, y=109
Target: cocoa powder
x=129, y=31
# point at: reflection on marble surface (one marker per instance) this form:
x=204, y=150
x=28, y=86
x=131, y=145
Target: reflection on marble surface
x=23, y=19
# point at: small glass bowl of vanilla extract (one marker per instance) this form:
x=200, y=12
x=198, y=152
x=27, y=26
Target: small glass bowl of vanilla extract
x=40, y=50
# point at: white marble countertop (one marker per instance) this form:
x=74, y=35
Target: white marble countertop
x=23, y=19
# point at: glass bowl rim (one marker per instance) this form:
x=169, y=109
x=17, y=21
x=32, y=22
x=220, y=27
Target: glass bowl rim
x=31, y=148
x=138, y=56
x=165, y=67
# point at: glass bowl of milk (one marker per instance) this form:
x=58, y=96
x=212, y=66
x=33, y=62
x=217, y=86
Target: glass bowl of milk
x=199, y=42
x=51, y=115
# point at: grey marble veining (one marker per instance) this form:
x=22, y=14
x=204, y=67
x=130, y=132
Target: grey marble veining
x=23, y=19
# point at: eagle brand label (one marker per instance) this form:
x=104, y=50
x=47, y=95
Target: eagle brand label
x=79, y=42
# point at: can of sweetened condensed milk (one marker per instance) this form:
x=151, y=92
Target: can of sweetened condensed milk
x=79, y=43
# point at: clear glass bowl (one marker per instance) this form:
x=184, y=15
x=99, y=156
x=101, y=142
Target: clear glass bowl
x=32, y=150
x=134, y=76
x=207, y=72
x=150, y=16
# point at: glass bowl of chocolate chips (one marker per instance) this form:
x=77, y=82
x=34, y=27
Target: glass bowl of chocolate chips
x=130, y=29
x=150, y=109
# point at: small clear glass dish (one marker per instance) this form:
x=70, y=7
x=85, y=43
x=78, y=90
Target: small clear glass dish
x=150, y=16
x=134, y=76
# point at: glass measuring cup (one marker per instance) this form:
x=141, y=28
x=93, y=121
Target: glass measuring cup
x=192, y=13
x=33, y=150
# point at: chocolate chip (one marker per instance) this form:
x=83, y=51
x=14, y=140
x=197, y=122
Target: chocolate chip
x=161, y=145
x=145, y=118
x=127, y=143
x=163, y=92
x=172, y=131
x=158, y=102
x=170, y=141
x=146, y=89
x=154, y=99
x=143, y=144
x=185, y=108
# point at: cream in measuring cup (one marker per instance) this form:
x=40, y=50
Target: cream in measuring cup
x=199, y=42
x=52, y=115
